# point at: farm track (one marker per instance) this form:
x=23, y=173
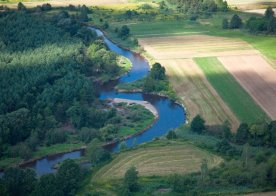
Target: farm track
x=180, y=158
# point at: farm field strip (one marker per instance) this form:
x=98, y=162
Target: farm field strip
x=180, y=158
x=197, y=94
x=257, y=77
x=230, y=90
x=191, y=46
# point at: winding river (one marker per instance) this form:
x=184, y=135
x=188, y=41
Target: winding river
x=171, y=115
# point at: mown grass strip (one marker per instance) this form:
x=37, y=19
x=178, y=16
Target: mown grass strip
x=239, y=101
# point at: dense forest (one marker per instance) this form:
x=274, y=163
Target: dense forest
x=48, y=62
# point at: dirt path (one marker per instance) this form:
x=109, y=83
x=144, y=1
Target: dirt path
x=146, y=104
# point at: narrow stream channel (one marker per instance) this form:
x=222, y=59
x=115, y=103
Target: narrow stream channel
x=171, y=115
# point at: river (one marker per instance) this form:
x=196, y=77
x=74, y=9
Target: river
x=171, y=114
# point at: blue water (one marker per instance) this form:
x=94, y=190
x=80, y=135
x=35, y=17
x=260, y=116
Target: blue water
x=171, y=115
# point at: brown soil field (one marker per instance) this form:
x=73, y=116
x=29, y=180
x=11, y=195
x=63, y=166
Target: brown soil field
x=257, y=77
x=197, y=94
x=62, y=3
x=175, y=47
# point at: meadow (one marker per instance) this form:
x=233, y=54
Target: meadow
x=161, y=159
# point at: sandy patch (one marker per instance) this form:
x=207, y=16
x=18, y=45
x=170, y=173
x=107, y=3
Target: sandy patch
x=257, y=77
x=146, y=104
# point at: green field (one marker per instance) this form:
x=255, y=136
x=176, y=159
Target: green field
x=230, y=91
x=164, y=159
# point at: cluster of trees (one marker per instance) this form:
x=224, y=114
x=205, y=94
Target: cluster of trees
x=231, y=174
x=123, y=32
x=255, y=134
x=267, y=23
x=235, y=22
x=156, y=79
x=246, y=165
x=195, y=7
x=21, y=182
x=263, y=24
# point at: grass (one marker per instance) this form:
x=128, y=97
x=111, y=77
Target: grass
x=124, y=64
x=231, y=92
x=158, y=158
x=135, y=118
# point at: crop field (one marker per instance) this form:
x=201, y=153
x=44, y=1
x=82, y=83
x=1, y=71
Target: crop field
x=257, y=77
x=198, y=95
x=159, y=160
x=196, y=92
x=229, y=89
x=190, y=46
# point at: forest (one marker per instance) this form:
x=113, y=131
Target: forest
x=48, y=64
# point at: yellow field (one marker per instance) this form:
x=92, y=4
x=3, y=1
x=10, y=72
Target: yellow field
x=164, y=160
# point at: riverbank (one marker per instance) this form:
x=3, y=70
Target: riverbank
x=146, y=104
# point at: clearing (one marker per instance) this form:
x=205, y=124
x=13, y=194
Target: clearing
x=158, y=160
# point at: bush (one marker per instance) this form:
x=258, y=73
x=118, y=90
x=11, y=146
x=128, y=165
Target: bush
x=236, y=22
x=124, y=32
x=198, y=124
x=171, y=135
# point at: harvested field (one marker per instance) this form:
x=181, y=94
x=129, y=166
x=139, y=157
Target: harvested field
x=160, y=160
x=191, y=46
x=197, y=94
x=257, y=77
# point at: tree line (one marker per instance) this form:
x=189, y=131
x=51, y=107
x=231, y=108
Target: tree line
x=265, y=24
